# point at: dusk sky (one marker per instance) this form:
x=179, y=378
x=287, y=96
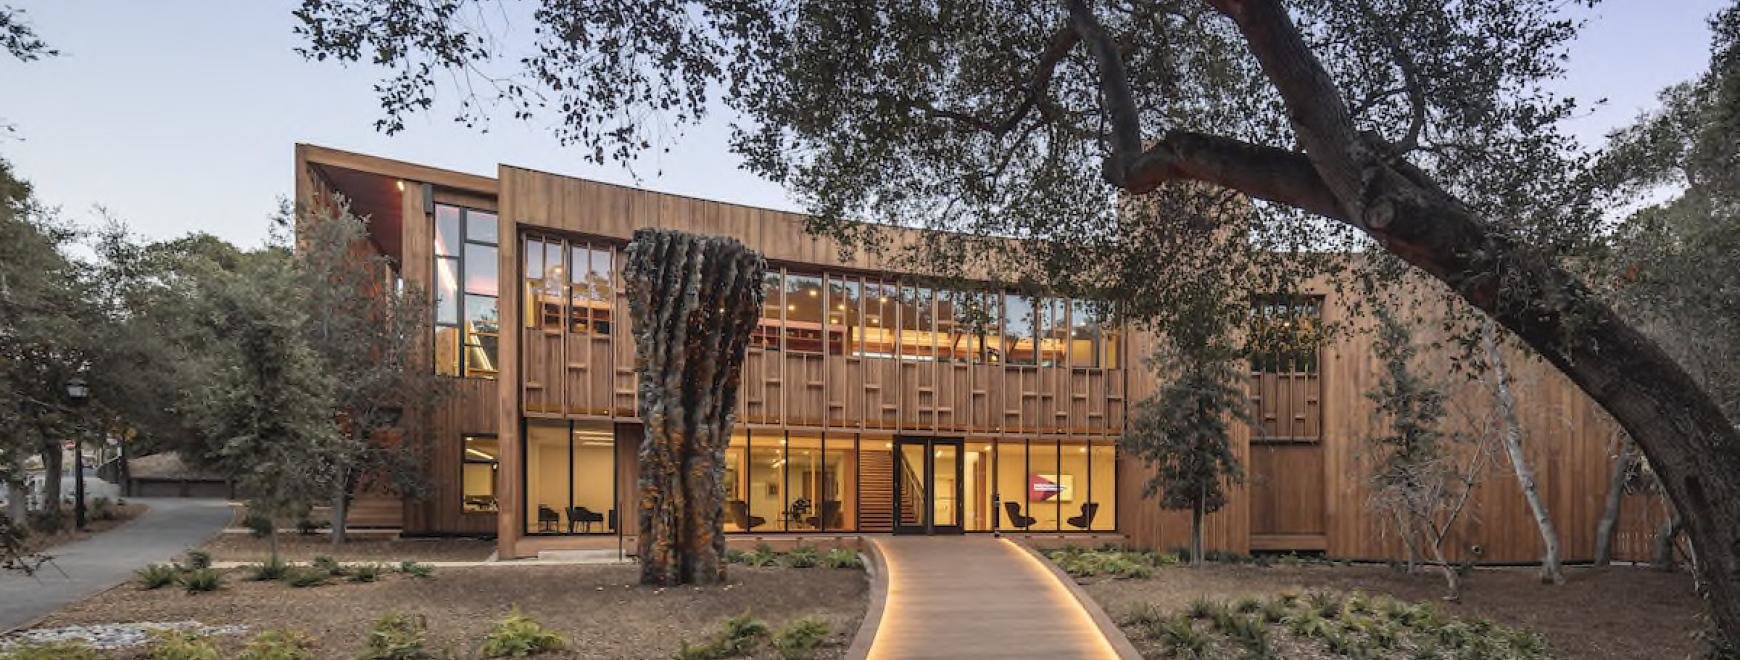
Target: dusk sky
x=181, y=116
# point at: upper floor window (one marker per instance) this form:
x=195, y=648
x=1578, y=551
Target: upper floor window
x=467, y=287
x=1285, y=334
x=570, y=286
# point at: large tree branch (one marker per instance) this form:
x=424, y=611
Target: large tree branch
x=1032, y=97
x=1267, y=173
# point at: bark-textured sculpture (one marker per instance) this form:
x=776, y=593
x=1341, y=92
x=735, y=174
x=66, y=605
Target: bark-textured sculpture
x=693, y=300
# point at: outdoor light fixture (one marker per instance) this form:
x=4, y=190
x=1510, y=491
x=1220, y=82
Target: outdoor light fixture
x=78, y=392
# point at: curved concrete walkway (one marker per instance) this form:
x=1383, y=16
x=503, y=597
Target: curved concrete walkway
x=981, y=597
x=169, y=527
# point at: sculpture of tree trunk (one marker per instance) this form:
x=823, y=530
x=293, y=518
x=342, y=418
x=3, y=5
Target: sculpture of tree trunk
x=693, y=301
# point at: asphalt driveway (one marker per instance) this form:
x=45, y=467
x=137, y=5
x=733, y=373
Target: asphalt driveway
x=171, y=526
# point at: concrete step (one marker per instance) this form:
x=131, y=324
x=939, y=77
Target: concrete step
x=582, y=556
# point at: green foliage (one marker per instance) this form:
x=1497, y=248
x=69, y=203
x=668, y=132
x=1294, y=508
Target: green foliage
x=397, y=636
x=102, y=508
x=181, y=645
x=842, y=558
x=803, y=556
x=279, y=645
x=518, y=636
x=799, y=639
x=306, y=576
x=51, y=651
x=269, y=570
x=739, y=636
x=1078, y=562
x=196, y=559
x=763, y=555
x=200, y=580
x=48, y=521
x=258, y=526
x=157, y=576
x=329, y=565
x=416, y=570
x=366, y=572
x=1182, y=431
x=1183, y=640
x=734, y=556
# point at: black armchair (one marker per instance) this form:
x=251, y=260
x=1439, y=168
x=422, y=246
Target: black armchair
x=548, y=519
x=1083, y=521
x=1015, y=517
x=579, y=515
x=738, y=512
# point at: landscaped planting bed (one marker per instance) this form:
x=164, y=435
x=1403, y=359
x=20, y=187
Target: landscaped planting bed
x=1616, y=612
x=599, y=611
x=359, y=547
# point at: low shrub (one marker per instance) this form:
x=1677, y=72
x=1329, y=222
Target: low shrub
x=305, y=576
x=1117, y=563
x=181, y=645
x=518, y=636
x=328, y=564
x=102, y=508
x=196, y=559
x=48, y=521
x=51, y=651
x=200, y=580
x=279, y=645
x=741, y=635
x=365, y=572
x=269, y=570
x=1183, y=640
x=803, y=556
x=733, y=556
x=799, y=639
x=763, y=555
x=307, y=527
x=397, y=636
x=842, y=558
x=258, y=526
x=156, y=576
x=416, y=570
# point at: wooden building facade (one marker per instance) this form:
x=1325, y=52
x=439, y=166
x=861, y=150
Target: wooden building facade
x=875, y=401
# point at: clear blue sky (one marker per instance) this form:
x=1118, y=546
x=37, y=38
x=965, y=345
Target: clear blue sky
x=180, y=116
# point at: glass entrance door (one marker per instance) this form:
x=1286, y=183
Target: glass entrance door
x=927, y=485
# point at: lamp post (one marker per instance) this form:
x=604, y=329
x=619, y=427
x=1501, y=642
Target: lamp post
x=78, y=393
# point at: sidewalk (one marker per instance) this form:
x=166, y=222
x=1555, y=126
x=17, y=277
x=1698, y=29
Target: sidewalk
x=978, y=597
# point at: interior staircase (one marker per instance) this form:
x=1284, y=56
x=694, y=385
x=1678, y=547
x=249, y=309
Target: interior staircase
x=876, y=491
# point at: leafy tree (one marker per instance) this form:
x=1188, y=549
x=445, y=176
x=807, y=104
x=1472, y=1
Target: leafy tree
x=264, y=404
x=368, y=335
x=1183, y=431
x=1414, y=127
x=1417, y=478
x=42, y=337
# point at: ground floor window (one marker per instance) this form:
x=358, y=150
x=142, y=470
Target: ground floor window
x=777, y=481
x=570, y=478
x=1065, y=485
x=479, y=473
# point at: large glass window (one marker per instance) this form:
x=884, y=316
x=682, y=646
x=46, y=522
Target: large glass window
x=1020, y=320
x=803, y=482
x=590, y=272
x=1074, y=478
x=844, y=321
x=917, y=329
x=1017, y=512
x=767, y=484
x=881, y=319
x=1052, y=330
x=570, y=478
x=479, y=469
x=1047, y=486
x=767, y=328
x=838, y=510
x=961, y=325
x=976, y=486
x=1103, y=485
x=803, y=313
x=737, y=516
x=467, y=283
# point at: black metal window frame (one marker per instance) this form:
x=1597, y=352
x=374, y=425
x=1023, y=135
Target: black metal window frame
x=459, y=292
x=527, y=523
x=748, y=471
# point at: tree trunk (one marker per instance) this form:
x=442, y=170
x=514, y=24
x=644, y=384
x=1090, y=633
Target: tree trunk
x=1664, y=540
x=693, y=301
x=53, y=461
x=340, y=510
x=17, y=506
x=1196, y=534
x=1604, y=530
x=1513, y=445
